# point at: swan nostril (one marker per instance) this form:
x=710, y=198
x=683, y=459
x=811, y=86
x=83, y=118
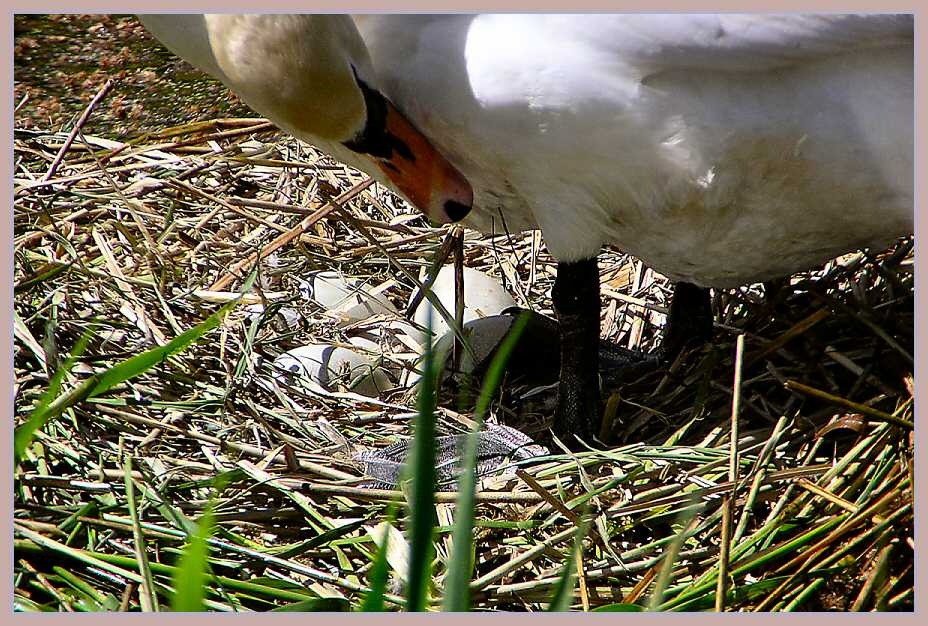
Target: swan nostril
x=456, y=210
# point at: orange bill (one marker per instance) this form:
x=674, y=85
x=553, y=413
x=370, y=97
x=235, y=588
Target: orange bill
x=423, y=174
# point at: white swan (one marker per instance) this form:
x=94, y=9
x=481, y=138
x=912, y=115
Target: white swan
x=719, y=149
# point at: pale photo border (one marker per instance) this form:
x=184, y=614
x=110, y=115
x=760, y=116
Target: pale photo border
x=467, y=6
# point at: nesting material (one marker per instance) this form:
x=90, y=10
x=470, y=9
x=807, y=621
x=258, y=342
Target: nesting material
x=814, y=509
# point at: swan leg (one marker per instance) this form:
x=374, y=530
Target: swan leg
x=576, y=304
x=688, y=320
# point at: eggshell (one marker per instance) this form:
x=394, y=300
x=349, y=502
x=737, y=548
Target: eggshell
x=347, y=299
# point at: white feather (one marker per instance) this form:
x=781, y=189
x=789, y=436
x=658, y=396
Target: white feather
x=719, y=149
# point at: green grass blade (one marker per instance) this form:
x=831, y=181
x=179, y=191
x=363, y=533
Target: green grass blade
x=105, y=561
x=380, y=573
x=670, y=556
x=563, y=595
x=315, y=605
x=44, y=411
x=93, y=560
x=45, y=273
x=88, y=597
x=619, y=607
x=457, y=584
x=422, y=494
x=140, y=363
x=148, y=599
x=190, y=578
x=50, y=407
x=143, y=362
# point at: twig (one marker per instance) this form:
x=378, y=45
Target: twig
x=289, y=236
x=73, y=134
x=793, y=385
x=799, y=328
x=728, y=501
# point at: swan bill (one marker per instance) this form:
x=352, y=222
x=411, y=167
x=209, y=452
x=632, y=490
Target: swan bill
x=410, y=161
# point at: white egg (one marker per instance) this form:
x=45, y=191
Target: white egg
x=483, y=296
x=483, y=335
x=333, y=368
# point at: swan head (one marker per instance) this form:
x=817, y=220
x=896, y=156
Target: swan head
x=312, y=76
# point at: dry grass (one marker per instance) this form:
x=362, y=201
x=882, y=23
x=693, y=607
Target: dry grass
x=130, y=243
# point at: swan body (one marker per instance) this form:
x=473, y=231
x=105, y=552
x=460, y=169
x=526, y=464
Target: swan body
x=720, y=150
